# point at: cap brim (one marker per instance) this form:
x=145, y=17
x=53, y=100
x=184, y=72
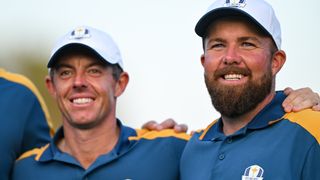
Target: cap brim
x=58, y=52
x=213, y=15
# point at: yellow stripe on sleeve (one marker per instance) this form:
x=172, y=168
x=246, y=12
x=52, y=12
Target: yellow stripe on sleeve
x=145, y=134
x=308, y=119
x=207, y=129
x=26, y=82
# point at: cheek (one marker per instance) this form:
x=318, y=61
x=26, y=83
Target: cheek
x=210, y=62
x=258, y=62
x=110, y=92
x=260, y=69
x=61, y=89
x=105, y=89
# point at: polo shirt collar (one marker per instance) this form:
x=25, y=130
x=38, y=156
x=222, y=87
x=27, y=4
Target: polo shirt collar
x=123, y=145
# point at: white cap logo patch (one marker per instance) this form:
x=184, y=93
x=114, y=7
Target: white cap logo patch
x=97, y=41
x=235, y=3
x=80, y=33
x=253, y=172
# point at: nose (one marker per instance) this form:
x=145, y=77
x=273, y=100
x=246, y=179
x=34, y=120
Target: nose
x=231, y=57
x=80, y=81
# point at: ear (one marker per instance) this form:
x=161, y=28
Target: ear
x=121, y=84
x=202, y=59
x=278, y=60
x=50, y=86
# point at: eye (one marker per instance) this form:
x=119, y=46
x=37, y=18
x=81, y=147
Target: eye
x=65, y=73
x=248, y=45
x=216, y=46
x=94, y=71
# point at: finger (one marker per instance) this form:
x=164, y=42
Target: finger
x=291, y=95
x=150, y=125
x=287, y=90
x=181, y=128
x=287, y=104
x=300, y=99
x=168, y=124
x=305, y=102
x=316, y=107
x=302, y=105
x=287, y=107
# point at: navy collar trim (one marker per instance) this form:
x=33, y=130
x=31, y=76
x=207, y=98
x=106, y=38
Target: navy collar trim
x=123, y=145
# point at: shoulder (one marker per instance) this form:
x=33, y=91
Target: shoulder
x=152, y=135
x=307, y=119
x=24, y=87
x=34, y=153
x=18, y=80
x=29, y=166
x=20, y=86
x=170, y=144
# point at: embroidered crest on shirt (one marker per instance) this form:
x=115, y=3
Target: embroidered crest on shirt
x=253, y=172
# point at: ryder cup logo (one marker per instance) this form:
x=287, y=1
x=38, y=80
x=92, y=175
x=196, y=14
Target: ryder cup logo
x=80, y=33
x=253, y=172
x=235, y=3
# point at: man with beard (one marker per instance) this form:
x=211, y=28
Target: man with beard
x=254, y=138
x=86, y=78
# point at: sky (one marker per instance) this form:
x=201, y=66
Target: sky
x=160, y=50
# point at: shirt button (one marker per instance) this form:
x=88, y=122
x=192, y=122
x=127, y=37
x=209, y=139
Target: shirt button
x=221, y=156
x=229, y=140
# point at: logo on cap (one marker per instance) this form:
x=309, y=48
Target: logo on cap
x=236, y=3
x=80, y=33
x=253, y=172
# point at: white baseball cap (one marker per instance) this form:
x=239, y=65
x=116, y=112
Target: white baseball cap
x=98, y=41
x=258, y=11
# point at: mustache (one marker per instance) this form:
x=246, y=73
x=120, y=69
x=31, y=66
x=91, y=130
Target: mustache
x=231, y=70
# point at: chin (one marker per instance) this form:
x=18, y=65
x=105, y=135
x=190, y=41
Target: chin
x=81, y=123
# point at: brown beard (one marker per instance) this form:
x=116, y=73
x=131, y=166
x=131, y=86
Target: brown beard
x=232, y=101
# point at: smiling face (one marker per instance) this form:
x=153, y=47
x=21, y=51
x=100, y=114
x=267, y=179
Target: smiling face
x=238, y=65
x=85, y=90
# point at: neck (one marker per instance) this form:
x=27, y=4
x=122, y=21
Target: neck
x=87, y=145
x=232, y=125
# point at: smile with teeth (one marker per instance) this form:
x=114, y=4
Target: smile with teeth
x=82, y=100
x=233, y=77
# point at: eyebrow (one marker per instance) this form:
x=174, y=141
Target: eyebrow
x=240, y=39
x=61, y=65
x=248, y=38
x=213, y=40
x=91, y=64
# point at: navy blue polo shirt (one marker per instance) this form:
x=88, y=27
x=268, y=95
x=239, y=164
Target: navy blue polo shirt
x=274, y=145
x=138, y=155
x=24, y=124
